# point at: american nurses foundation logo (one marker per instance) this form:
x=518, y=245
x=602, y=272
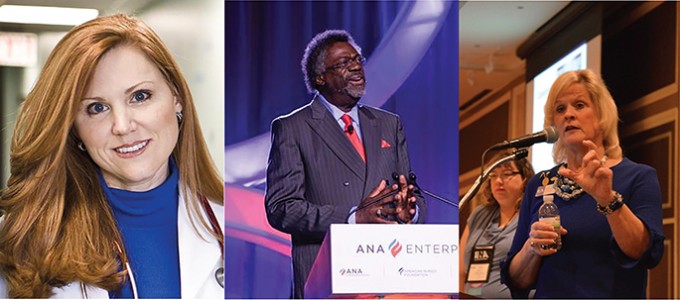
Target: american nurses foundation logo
x=417, y=272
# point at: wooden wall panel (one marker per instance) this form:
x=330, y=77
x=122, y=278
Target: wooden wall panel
x=661, y=281
x=653, y=141
x=488, y=130
x=493, y=120
x=640, y=66
x=654, y=147
x=642, y=53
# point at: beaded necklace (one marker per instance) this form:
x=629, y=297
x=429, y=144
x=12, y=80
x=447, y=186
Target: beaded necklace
x=567, y=188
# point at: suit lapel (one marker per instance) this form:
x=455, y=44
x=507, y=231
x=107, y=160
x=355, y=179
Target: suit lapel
x=370, y=133
x=330, y=132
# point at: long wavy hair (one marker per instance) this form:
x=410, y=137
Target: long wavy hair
x=604, y=104
x=58, y=227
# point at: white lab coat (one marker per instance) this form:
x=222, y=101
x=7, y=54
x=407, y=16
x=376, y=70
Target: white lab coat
x=199, y=259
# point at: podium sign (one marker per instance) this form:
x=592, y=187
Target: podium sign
x=387, y=259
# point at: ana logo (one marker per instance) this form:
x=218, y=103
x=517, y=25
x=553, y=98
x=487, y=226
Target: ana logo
x=395, y=248
x=352, y=272
x=401, y=271
x=366, y=249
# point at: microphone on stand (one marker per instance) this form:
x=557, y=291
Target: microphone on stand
x=412, y=180
x=518, y=154
x=548, y=135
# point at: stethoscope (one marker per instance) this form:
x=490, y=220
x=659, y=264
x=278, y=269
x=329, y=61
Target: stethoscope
x=219, y=276
x=219, y=273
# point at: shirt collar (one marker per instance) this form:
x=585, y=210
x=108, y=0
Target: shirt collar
x=336, y=112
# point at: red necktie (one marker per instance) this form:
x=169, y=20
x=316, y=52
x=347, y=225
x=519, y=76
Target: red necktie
x=353, y=137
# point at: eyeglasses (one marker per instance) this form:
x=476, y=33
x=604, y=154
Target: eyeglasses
x=345, y=62
x=504, y=176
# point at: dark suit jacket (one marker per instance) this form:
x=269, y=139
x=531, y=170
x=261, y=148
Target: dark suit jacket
x=315, y=176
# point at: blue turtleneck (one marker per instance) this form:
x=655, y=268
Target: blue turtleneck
x=148, y=224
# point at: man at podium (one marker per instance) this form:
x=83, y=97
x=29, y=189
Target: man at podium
x=335, y=160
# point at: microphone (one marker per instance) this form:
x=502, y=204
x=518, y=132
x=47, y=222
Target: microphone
x=548, y=135
x=412, y=178
x=395, y=176
x=350, y=129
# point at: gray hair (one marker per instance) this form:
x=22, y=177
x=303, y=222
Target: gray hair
x=315, y=54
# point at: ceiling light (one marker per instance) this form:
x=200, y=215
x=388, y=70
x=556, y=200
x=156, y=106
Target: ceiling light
x=46, y=15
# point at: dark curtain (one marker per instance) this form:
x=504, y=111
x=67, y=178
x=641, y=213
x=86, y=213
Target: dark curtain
x=264, y=45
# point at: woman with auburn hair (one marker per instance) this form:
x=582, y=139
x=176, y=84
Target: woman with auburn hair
x=609, y=231
x=491, y=226
x=112, y=190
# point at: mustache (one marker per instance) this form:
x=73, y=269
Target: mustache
x=348, y=89
x=354, y=76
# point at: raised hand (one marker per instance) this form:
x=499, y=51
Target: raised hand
x=593, y=175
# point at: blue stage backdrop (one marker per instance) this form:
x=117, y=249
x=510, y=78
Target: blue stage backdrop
x=412, y=51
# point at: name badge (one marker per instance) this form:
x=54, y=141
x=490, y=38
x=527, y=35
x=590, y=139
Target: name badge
x=545, y=190
x=481, y=259
x=549, y=189
x=539, y=191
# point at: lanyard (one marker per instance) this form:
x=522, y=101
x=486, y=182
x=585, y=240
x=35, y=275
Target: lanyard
x=481, y=257
x=493, y=239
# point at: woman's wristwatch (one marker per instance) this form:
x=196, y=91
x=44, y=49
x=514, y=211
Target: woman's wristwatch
x=617, y=202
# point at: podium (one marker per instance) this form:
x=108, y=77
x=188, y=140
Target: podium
x=384, y=260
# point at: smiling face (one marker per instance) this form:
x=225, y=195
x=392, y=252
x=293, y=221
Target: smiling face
x=343, y=81
x=575, y=117
x=127, y=120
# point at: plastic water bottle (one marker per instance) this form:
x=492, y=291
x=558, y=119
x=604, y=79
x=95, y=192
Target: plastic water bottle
x=549, y=214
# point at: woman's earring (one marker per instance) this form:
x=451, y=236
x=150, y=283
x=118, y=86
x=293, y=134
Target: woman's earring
x=81, y=146
x=179, y=117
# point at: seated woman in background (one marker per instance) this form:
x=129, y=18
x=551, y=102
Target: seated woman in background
x=610, y=206
x=112, y=191
x=490, y=228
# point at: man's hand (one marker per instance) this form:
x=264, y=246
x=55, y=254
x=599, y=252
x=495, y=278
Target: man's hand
x=405, y=201
x=377, y=212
